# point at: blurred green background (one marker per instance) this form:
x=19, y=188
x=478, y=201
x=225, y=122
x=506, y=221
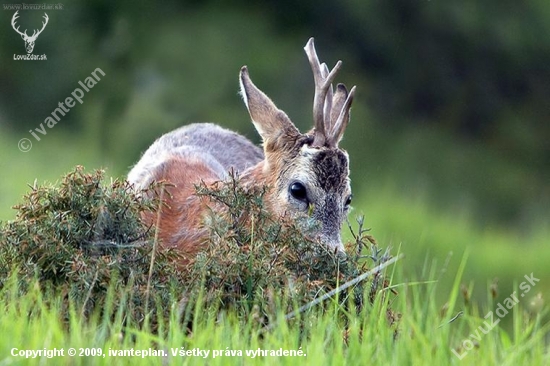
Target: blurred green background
x=450, y=130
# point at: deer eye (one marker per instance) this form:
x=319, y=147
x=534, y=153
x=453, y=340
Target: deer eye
x=348, y=201
x=298, y=191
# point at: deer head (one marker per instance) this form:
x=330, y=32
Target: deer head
x=308, y=173
x=29, y=40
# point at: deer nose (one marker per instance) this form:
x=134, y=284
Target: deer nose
x=333, y=243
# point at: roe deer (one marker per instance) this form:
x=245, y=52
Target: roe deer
x=307, y=174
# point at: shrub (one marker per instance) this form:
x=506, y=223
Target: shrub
x=85, y=241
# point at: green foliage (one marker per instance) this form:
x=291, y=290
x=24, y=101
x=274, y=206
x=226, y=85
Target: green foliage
x=255, y=263
x=82, y=238
x=85, y=242
x=251, y=255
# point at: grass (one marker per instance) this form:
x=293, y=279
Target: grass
x=425, y=336
x=497, y=254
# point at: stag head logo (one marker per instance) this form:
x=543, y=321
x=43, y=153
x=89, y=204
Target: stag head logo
x=29, y=40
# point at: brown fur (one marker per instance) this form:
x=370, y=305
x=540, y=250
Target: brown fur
x=181, y=210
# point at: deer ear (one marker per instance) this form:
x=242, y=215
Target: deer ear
x=270, y=122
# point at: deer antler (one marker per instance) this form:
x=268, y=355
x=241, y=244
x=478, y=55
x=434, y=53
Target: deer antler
x=43, y=26
x=323, y=79
x=330, y=110
x=13, y=19
x=24, y=34
x=340, y=114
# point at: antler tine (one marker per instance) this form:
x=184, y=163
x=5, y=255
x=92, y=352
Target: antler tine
x=43, y=24
x=322, y=85
x=343, y=118
x=338, y=102
x=328, y=101
x=13, y=19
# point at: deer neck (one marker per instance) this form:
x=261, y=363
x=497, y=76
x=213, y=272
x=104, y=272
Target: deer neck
x=256, y=175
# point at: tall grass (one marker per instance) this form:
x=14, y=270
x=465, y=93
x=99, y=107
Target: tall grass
x=425, y=335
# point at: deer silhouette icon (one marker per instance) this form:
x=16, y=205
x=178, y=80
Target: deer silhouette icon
x=29, y=40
